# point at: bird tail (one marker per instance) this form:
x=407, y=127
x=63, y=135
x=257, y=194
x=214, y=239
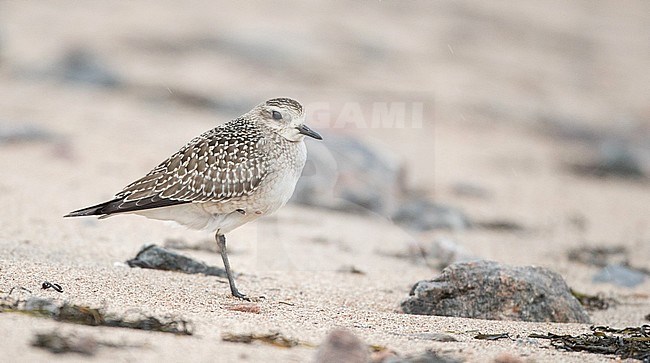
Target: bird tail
x=95, y=210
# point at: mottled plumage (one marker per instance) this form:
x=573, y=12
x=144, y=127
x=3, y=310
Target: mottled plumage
x=222, y=164
x=225, y=177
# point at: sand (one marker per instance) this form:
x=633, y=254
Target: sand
x=490, y=76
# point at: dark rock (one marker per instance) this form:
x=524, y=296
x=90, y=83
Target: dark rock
x=426, y=357
x=572, y=130
x=342, y=346
x=46, y=306
x=621, y=150
x=344, y=173
x=347, y=174
x=470, y=190
x=489, y=290
x=613, y=160
x=615, y=263
x=600, y=256
x=620, y=275
x=317, y=184
x=58, y=343
x=446, y=251
x=155, y=257
x=424, y=215
x=14, y=132
x=80, y=65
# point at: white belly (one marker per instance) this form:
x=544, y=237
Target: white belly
x=195, y=216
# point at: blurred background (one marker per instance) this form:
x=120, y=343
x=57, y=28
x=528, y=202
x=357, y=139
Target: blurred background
x=516, y=130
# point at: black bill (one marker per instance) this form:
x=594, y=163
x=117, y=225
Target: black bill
x=303, y=129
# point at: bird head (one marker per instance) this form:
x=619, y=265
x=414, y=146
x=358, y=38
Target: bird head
x=285, y=117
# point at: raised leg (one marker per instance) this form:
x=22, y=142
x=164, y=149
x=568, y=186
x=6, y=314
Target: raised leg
x=221, y=242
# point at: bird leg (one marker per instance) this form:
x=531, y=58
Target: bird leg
x=221, y=242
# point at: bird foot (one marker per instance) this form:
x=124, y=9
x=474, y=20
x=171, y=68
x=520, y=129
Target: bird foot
x=239, y=295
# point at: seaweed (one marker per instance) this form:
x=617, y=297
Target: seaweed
x=593, y=302
x=276, y=339
x=627, y=343
x=492, y=336
x=84, y=315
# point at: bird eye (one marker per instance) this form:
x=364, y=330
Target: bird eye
x=277, y=115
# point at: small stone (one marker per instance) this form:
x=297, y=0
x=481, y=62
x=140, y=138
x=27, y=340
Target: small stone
x=446, y=251
x=80, y=65
x=342, y=346
x=614, y=159
x=383, y=356
x=600, y=256
x=17, y=132
x=424, y=215
x=155, y=257
x=42, y=305
x=489, y=290
x=507, y=358
x=620, y=275
x=426, y=357
x=470, y=190
x=58, y=343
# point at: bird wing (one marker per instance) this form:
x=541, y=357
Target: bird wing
x=224, y=163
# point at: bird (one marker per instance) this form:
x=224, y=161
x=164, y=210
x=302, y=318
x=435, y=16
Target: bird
x=224, y=178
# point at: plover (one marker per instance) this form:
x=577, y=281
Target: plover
x=223, y=178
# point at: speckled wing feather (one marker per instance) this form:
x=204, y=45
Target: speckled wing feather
x=224, y=163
